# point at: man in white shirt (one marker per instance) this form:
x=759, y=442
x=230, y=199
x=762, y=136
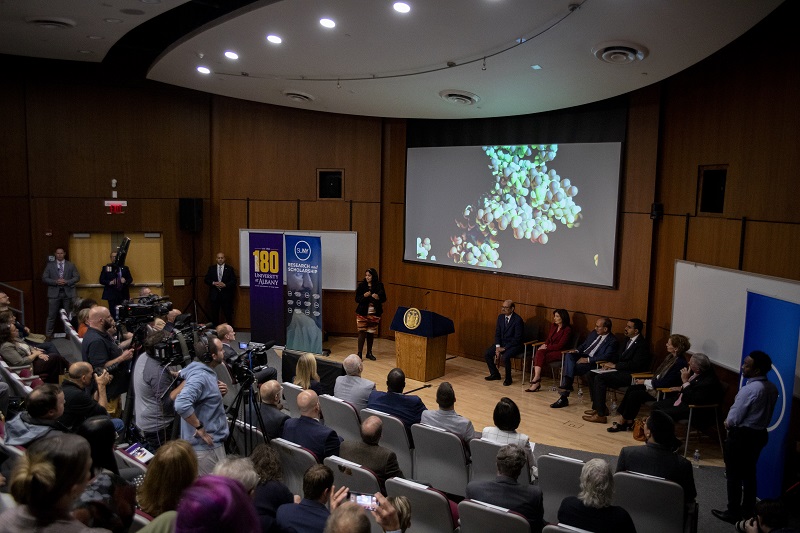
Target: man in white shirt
x=353, y=388
x=446, y=417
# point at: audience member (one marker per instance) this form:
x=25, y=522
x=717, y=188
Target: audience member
x=506, y=492
x=78, y=403
x=60, y=276
x=270, y=406
x=108, y=500
x=403, y=508
x=557, y=340
x=270, y=492
x=667, y=375
x=198, y=401
x=214, y=504
x=83, y=322
x=310, y=514
x=407, y=408
x=352, y=518
x=506, y=419
x=100, y=350
x=600, y=345
x=747, y=422
x=147, y=292
x=45, y=481
x=44, y=406
x=700, y=385
x=771, y=517
x=369, y=453
x=352, y=387
x=241, y=469
x=154, y=408
x=169, y=473
x=17, y=353
x=591, y=509
x=348, y=518
x=635, y=357
x=227, y=335
x=657, y=457
x=4, y=398
x=507, y=342
x=7, y=315
x=308, y=431
x=306, y=375
x=116, y=281
x=446, y=417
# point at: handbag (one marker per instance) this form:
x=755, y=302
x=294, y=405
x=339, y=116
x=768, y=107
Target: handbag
x=638, y=430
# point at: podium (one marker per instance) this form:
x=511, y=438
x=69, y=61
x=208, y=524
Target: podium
x=421, y=342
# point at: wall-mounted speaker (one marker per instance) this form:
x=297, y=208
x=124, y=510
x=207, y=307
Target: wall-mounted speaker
x=191, y=214
x=711, y=189
x=331, y=183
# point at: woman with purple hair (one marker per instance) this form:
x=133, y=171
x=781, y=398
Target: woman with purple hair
x=213, y=504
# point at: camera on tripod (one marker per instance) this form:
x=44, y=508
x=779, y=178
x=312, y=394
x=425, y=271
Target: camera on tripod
x=244, y=365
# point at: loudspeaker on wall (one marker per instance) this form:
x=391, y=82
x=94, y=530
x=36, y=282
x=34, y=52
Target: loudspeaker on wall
x=191, y=214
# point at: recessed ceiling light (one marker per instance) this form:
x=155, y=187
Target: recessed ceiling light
x=203, y=70
x=95, y=37
x=132, y=11
x=401, y=7
x=150, y=1
x=274, y=39
x=536, y=67
x=85, y=51
x=113, y=21
x=231, y=55
x=328, y=23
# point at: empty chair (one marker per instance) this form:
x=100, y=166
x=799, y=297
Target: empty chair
x=655, y=504
x=484, y=462
x=480, y=517
x=352, y=475
x=440, y=458
x=245, y=437
x=559, y=477
x=290, y=393
x=395, y=438
x=341, y=417
x=295, y=460
x=431, y=508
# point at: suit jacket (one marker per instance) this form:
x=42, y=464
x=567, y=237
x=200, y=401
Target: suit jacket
x=704, y=389
x=611, y=519
x=380, y=460
x=307, y=516
x=407, y=408
x=312, y=435
x=115, y=292
x=50, y=278
x=274, y=420
x=606, y=351
x=228, y=278
x=509, y=335
x=267, y=498
x=635, y=357
x=354, y=389
x=506, y=492
x=657, y=460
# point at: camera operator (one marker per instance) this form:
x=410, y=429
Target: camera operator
x=198, y=400
x=226, y=334
x=100, y=350
x=154, y=409
x=78, y=403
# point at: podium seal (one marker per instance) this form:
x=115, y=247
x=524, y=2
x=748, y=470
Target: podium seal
x=412, y=318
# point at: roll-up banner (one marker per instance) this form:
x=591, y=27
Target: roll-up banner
x=303, y=293
x=266, y=287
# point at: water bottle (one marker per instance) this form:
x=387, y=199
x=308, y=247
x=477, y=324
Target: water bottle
x=580, y=394
x=696, y=459
x=613, y=405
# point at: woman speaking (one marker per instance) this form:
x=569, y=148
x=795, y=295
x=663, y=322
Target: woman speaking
x=370, y=297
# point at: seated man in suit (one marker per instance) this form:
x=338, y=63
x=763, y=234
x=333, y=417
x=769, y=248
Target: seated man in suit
x=446, y=417
x=353, y=388
x=506, y=492
x=308, y=431
x=408, y=409
x=270, y=406
x=634, y=358
x=657, y=457
x=507, y=342
x=600, y=345
x=370, y=454
x=310, y=515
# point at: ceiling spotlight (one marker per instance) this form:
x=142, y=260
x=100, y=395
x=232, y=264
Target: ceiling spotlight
x=274, y=39
x=203, y=70
x=328, y=23
x=231, y=55
x=401, y=7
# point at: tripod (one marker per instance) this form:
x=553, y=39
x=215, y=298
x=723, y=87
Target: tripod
x=251, y=420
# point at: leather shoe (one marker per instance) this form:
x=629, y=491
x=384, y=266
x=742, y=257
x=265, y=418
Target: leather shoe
x=493, y=377
x=561, y=402
x=507, y=382
x=597, y=419
x=617, y=427
x=590, y=412
x=726, y=516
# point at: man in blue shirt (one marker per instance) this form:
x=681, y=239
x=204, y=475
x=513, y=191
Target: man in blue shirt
x=747, y=424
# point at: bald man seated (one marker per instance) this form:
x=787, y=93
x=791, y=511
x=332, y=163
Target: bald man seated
x=369, y=453
x=270, y=406
x=79, y=403
x=308, y=431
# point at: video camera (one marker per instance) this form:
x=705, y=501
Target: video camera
x=177, y=347
x=244, y=365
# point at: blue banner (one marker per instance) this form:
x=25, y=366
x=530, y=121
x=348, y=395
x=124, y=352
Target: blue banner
x=303, y=293
x=266, y=287
x=773, y=326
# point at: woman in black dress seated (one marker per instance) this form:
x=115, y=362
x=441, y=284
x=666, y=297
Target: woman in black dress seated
x=591, y=509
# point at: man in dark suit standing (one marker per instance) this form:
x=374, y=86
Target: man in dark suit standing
x=506, y=492
x=634, y=358
x=116, y=281
x=308, y=431
x=369, y=453
x=600, y=345
x=60, y=276
x=507, y=342
x=221, y=280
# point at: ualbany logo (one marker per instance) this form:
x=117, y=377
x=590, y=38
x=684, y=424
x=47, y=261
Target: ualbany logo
x=302, y=250
x=412, y=318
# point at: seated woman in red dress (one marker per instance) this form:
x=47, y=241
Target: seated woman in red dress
x=557, y=341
